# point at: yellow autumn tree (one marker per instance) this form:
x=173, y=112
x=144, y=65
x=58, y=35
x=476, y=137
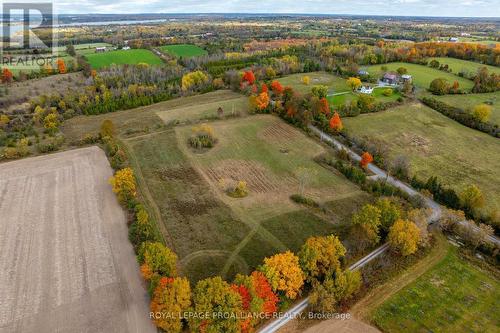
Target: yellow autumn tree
x=124, y=186
x=306, y=80
x=284, y=273
x=354, y=83
x=170, y=299
x=320, y=256
x=262, y=101
x=51, y=122
x=193, y=79
x=4, y=119
x=404, y=237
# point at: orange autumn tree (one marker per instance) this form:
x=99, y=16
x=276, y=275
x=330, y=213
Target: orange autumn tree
x=170, y=299
x=7, y=75
x=61, y=66
x=264, y=88
x=248, y=77
x=262, y=101
x=336, y=122
x=366, y=159
x=277, y=88
x=324, y=106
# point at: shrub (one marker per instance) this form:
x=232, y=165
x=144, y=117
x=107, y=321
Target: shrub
x=304, y=200
x=202, y=137
x=158, y=258
x=439, y=86
x=387, y=92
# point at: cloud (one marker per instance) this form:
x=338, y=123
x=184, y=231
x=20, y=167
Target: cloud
x=363, y=7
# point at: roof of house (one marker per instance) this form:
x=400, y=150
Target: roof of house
x=406, y=76
x=390, y=76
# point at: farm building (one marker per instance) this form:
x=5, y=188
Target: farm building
x=390, y=78
x=100, y=49
x=365, y=90
x=406, y=78
x=363, y=72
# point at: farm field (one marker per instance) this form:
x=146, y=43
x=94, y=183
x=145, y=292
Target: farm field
x=468, y=101
x=422, y=75
x=454, y=296
x=346, y=98
x=192, y=113
x=207, y=228
x=184, y=50
x=458, y=65
x=67, y=264
x=335, y=83
x=142, y=120
x=435, y=145
x=122, y=57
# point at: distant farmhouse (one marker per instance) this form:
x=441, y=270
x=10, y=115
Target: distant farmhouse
x=365, y=90
x=100, y=49
x=363, y=72
x=393, y=79
x=453, y=39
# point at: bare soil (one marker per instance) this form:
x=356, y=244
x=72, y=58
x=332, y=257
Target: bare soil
x=66, y=263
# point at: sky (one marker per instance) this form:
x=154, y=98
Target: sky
x=478, y=8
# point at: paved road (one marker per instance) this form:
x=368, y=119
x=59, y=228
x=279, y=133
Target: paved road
x=434, y=217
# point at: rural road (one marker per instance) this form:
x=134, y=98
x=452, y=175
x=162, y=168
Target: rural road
x=434, y=217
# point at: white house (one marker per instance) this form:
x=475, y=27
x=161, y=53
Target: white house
x=365, y=90
x=100, y=49
x=126, y=48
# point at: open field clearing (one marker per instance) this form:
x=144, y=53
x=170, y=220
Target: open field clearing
x=215, y=234
x=458, y=65
x=335, y=83
x=346, y=98
x=436, y=145
x=122, y=57
x=192, y=113
x=184, y=50
x=67, y=264
x=468, y=101
x=422, y=75
x=142, y=120
x=454, y=296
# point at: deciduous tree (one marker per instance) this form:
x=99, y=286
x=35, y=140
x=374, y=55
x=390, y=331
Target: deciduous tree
x=248, y=77
x=159, y=258
x=124, y=185
x=482, y=112
x=366, y=159
x=171, y=298
x=320, y=256
x=336, y=122
x=284, y=273
x=472, y=198
x=7, y=75
x=404, y=237
x=367, y=223
x=212, y=296
x=61, y=66
x=354, y=83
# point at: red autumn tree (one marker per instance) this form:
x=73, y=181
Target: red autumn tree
x=336, y=122
x=61, y=66
x=7, y=75
x=276, y=87
x=249, y=77
x=265, y=293
x=264, y=88
x=366, y=159
x=324, y=106
x=245, y=295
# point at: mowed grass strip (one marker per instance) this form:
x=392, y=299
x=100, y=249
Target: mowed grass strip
x=458, y=65
x=184, y=50
x=122, y=57
x=422, y=75
x=454, y=296
x=230, y=107
x=436, y=146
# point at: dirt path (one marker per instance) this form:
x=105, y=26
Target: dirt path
x=364, y=307
x=66, y=264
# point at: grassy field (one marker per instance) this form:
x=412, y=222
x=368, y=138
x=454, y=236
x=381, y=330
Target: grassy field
x=458, y=65
x=436, y=145
x=468, y=101
x=193, y=113
x=184, y=50
x=422, y=75
x=346, y=98
x=122, y=57
x=335, y=83
x=454, y=296
x=267, y=154
x=211, y=232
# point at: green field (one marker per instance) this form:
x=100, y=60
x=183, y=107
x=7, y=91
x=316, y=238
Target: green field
x=193, y=113
x=458, y=65
x=184, y=50
x=436, y=145
x=454, y=296
x=467, y=102
x=335, y=83
x=207, y=227
x=122, y=57
x=346, y=98
x=422, y=75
